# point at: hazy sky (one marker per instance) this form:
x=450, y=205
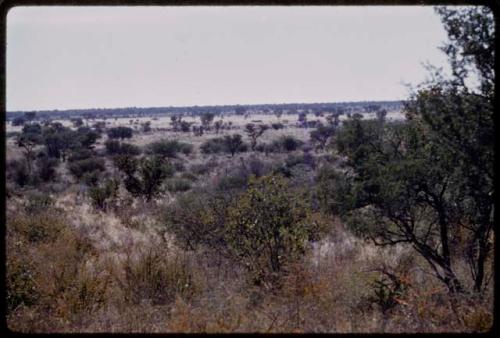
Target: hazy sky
x=90, y=57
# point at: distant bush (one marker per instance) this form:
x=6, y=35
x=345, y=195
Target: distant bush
x=228, y=144
x=114, y=147
x=120, y=132
x=277, y=126
x=80, y=167
x=283, y=144
x=169, y=149
x=213, y=146
x=18, y=121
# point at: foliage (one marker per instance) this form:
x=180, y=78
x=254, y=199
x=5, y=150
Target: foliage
x=265, y=227
x=254, y=132
x=114, y=147
x=80, y=167
x=102, y=195
x=169, y=149
x=120, y=132
x=321, y=135
x=144, y=177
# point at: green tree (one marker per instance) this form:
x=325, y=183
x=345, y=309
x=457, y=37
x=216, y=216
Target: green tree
x=424, y=181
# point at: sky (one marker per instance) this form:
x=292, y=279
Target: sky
x=110, y=57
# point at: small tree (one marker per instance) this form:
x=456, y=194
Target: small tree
x=233, y=144
x=321, y=135
x=144, y=178
x=206, y=120
x=266, y=227
x=254, y=132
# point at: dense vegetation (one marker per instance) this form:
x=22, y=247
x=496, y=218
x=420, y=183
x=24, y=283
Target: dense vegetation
x=332, y=222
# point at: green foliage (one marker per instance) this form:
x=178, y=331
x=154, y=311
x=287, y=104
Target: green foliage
x=120, y=132
x=231, y=144
x=144, y=177
x=80, y=167
x=265, y=227
x=169, y=149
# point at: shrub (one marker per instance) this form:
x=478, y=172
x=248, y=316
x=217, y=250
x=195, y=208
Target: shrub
x=114, y=147
x=101, y=195
x=213, y=146
x=158, y=277
x=79, y=168
x=46, y=168
x=283, y=144
x=80, y=154
x=144, y=178
x=178, y=184
x=265, y=228
x=120, y=132
x=277, y=126
x=169, y=149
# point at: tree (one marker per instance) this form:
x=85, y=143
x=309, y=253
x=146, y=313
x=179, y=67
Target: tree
x=144, y=177
x=233, y=144
x=424, y=181
x=254, y=132
x=206, y=120
x=321, y=135
x=28, y=142
x=218, y=126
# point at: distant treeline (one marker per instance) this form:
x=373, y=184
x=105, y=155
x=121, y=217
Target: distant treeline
x=288, y=108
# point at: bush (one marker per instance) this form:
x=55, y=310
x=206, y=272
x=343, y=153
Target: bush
x=213, y=146
x=265, y=229
x=277, y=126
x=79, y=168
x=114, y=147
x=46, y=168
x=178, y=185
x=80, y=154
x=169, y=149
x=101, y=195
x=120, y=132
x=283, y=144
x=158, y=277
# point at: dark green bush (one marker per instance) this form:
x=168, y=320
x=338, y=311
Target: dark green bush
x=79, y=168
